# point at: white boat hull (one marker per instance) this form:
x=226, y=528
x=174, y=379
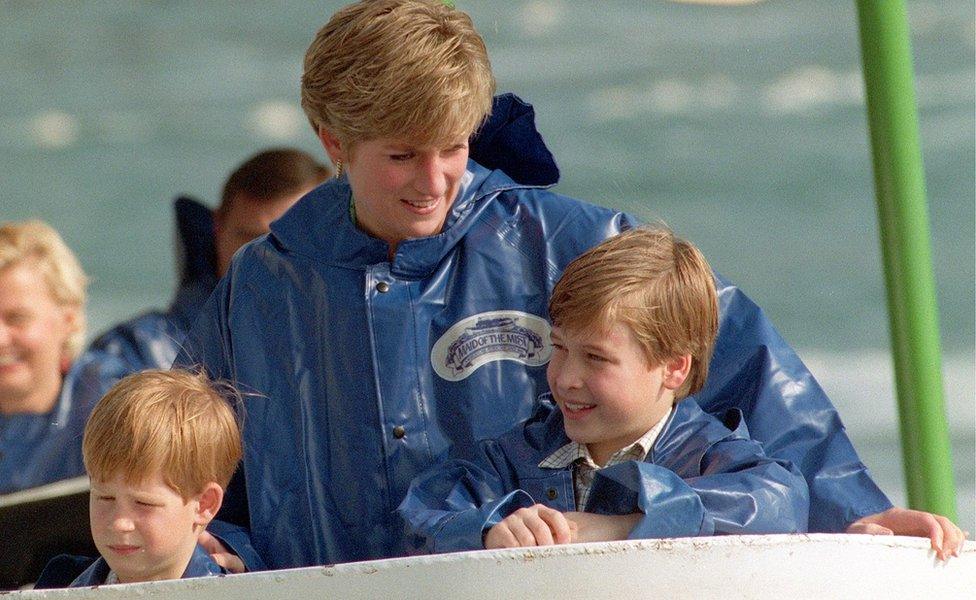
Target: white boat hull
x=773, y=566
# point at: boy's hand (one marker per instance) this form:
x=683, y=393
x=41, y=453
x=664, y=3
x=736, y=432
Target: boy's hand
x=946, y=537
x=601, y=528
x=537, y=525
x=219, y=553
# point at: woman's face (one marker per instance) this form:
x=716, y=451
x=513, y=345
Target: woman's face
x=402, y=190
x=33, y=331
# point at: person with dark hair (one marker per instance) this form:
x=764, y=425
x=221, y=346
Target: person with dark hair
x=259, y=191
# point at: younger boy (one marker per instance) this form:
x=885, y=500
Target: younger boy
x=160, y=448
x=633, y=325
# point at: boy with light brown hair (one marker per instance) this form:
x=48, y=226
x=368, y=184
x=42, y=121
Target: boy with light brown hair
x=160, y=449
x=613, y=452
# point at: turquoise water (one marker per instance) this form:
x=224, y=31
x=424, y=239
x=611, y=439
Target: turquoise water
x=743, y=128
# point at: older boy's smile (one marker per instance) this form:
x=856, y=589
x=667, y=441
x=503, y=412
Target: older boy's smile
x=573, y=410
x=608, y=392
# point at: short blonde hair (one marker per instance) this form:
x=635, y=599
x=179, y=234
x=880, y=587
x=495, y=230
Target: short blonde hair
x=172, y=422
x=39, y=243
x=404, y=69
x=658, y=285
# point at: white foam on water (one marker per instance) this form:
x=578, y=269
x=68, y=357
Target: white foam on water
x=925, y=17
x=54, y=129
x=670, y=96
x=951, y=88
x=611, y=103
x=812, y=87
x=802, y=90
x=861, y=385
x=276, y=120
x=540, y=17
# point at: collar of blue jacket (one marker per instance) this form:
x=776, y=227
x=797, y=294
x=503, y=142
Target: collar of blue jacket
x=200, y=565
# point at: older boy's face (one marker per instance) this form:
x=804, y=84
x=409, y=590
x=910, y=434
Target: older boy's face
x=146, y=532
x=607, y=391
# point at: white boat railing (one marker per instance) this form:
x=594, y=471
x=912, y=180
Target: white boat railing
x=770, y=566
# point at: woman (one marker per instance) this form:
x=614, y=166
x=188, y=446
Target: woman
x=47, y=387
x=400, y=309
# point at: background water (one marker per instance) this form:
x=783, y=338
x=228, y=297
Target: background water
x=743, y=128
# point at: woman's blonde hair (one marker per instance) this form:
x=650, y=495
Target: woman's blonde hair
x=174, y=422
x=658, y=285
x=37, y=243
x=405, y=69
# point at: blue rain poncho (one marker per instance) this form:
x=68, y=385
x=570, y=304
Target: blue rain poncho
x=39, y=449
x=699, y=478
x=359, y=371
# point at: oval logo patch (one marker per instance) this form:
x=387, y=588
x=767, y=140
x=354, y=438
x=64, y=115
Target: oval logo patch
x=491, y=336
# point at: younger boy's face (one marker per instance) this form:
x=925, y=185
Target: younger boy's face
x=145, y=531
x=607, y=391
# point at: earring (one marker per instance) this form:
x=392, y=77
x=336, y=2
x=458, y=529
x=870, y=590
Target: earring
x=338, y=166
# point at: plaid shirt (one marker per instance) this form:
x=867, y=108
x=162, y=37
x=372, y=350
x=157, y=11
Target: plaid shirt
x=584, y=469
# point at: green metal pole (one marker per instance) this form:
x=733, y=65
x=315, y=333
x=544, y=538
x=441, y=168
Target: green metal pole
x=903, y=221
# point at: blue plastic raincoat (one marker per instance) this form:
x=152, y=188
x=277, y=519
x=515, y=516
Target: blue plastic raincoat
x=152, y=340
x=362, y=370
x=40, y=449
x=699, y=478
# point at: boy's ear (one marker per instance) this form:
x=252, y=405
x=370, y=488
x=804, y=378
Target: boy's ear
x=209, y=500
x=676, y=370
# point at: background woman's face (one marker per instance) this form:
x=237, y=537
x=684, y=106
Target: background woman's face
x=33, y=331
x=402, y=190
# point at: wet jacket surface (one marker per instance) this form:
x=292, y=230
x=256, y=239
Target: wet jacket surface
x=200, y=565
x=153, y=339
x=699, y=478
x=40, y=449
x=361, y=370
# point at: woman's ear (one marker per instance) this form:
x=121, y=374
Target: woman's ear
x=332, y=145
x=74, y=321
x=209, y=501
x=676, y=371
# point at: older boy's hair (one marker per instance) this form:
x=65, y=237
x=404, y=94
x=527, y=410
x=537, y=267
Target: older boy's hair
x=271, y=174
x=410, y=69
x=655, y=283
x=39, y=243
x=172, y=422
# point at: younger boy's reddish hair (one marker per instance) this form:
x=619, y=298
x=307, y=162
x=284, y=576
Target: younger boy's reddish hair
x=172, y=422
